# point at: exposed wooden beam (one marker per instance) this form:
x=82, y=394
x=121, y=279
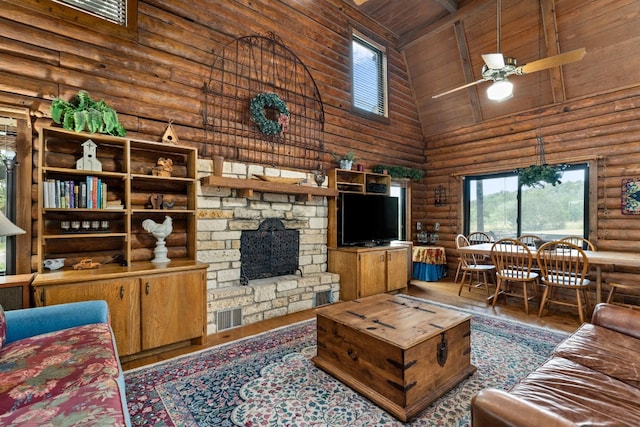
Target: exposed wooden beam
x=465, y=59
x=445, y=23
x=549, y=25
x=450, y=5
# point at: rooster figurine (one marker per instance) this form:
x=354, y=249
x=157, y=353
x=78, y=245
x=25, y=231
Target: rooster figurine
x=160, y=232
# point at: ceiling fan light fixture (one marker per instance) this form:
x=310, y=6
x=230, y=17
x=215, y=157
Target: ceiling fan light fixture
x=500, y=90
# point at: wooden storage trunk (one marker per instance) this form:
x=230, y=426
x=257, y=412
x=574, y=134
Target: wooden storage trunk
x=398, y=351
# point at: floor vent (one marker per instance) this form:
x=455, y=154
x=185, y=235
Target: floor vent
x=321, y=298
x=228, y=319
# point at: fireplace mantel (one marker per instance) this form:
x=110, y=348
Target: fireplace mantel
x=248, y=186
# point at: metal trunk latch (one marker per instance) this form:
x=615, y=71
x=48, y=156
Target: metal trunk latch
x=443, y=350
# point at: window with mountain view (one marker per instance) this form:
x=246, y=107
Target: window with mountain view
x=497, y=205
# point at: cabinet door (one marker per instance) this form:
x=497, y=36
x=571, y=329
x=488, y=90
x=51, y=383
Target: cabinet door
x=371, y=273
x=397, y=269
x=122, y=296
x=173, y=306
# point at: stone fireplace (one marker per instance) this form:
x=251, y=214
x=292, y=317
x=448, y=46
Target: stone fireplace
x=225, y=214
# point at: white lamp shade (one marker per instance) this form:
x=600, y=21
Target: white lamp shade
x=500, y=90
x=7, y=228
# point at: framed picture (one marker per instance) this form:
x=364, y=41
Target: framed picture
x=631, y=196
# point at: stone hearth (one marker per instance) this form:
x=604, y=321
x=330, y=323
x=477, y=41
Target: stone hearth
x=224, y=213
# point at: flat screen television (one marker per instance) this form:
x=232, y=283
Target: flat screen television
x=367, y=220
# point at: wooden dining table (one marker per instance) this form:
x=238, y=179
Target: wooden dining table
x=596, y=258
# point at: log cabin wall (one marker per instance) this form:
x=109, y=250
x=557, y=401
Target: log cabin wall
x=590, y=114
x=157, y=75
x=601, y=130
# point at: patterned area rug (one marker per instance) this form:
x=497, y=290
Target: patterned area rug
x=269, y=380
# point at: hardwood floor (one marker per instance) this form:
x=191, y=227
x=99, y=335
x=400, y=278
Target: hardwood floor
x=446, y=292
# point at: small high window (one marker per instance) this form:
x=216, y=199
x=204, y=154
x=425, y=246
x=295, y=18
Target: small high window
x=115, y=17
x=369, y=76
x=112, y=10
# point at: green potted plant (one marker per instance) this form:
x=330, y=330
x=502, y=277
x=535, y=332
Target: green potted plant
x=345, y=160
x=82, y=113
x=400, y=171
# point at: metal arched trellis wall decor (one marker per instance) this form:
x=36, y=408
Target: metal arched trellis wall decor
x=262, y=106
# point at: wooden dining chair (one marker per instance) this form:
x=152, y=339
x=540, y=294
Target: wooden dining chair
x=529, y=239
x=513, y=261
x=580, y=241
x=470, y=267
x=614, y=287
x=475, y=238
x=478, y=237
x=564, y=265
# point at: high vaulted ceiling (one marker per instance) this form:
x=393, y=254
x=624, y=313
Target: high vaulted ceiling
x=407, y=18
x=443, y=47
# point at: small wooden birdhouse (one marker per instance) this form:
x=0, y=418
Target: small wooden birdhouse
x=170, y=136
x=89, y=160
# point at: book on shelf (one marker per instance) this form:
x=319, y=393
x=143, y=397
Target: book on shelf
x=114, y=204
x=88, y=194
x=82, y=200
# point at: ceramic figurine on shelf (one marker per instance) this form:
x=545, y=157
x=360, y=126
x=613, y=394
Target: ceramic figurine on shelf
x=53, y=264
x=160, y=232
x=319, y=176
x=164, y=167
x=89, y=160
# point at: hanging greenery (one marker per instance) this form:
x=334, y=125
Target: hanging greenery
x=82, y=113
x=259, y=116
x=400, y=171
x=536, y=175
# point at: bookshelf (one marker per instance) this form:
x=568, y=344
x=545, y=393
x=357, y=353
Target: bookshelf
x=105, y=226
x=98, y=214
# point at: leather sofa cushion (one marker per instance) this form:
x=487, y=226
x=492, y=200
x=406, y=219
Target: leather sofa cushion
x=580, y=394
x=604, y=350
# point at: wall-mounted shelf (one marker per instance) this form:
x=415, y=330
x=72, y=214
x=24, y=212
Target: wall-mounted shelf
x=248, y=186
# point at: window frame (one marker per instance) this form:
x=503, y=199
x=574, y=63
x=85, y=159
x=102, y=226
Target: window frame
x=404, y=215
x=382, y=47
x=85, y=19
x=20, y=245
x=590, y=194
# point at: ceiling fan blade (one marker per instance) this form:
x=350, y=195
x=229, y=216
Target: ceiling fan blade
x=552, y=61
x=495, y=61
x=458, y=88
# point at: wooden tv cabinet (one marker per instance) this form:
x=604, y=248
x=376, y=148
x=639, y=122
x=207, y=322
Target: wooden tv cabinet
x=369, y=271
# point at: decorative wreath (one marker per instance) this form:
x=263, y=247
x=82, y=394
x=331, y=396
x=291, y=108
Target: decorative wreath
x=259, y=116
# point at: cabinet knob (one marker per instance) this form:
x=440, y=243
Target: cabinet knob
x=121, y=292
x=146, y=288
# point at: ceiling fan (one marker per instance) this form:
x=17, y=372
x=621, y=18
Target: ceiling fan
x=497, y=68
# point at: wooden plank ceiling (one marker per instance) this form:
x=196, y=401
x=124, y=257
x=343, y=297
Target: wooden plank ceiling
x=406, y=18
x=443, y=41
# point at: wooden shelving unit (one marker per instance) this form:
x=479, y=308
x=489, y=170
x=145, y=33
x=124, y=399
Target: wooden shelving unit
x=348, y=181
x=108, y=233
x=137, y=290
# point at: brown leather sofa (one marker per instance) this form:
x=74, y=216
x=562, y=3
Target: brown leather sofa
x=591, y=379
